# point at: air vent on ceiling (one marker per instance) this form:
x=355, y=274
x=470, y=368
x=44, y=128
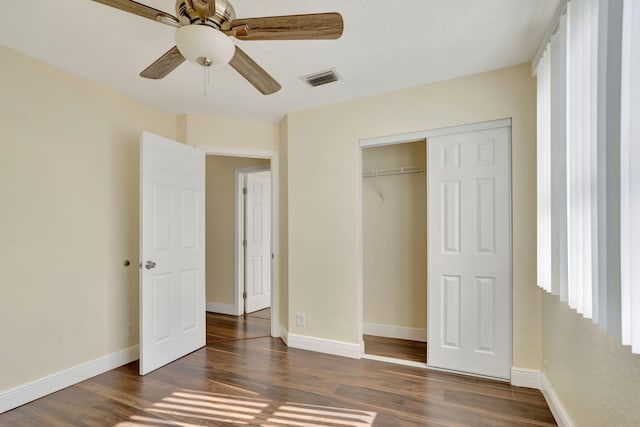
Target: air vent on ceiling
x=321, y=78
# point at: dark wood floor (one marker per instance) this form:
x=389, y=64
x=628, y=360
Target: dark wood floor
x=228, y=328
x=243, y=377
x=413, y=351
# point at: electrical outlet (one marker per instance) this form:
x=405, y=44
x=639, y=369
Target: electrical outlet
x=300, y=320
x=131, y=331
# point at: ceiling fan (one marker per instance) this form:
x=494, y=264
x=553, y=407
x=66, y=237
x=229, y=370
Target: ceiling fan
x=204, y=28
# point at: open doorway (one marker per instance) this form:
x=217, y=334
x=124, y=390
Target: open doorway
x=238, y=192
x=394, y=201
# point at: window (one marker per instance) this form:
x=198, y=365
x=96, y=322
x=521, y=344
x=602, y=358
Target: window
x=579, y=161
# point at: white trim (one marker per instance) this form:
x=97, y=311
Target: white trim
x=555, y=404
x=398, y=332
x=395, y=361
x=275, y=219
x=284, y=335
x=320, y=345
x=424, y=134
x=240, y=176
x=50, y=384
x=237, y=152
x=529, y=378
x=214, y=307
x=466, y=374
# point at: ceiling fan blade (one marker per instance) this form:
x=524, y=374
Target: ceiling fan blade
x=142, y=10
x=254, y=73
x=163, y=65
x=317, y=26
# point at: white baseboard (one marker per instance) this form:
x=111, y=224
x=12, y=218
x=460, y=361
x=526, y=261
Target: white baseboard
x=214, y=307
x=338, y=348
x=399, y=332
x=523, y=377
x=284, y=335
x=531, y=378
x=557, y=408
x=29, y=392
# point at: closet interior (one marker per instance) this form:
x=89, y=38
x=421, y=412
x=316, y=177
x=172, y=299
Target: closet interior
x=395, y=251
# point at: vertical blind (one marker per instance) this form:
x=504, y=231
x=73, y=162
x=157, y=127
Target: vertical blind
x=630, y=177
x=567, y=168
x=582, y=167
x=543, y=72
x=578, y=163
x=559, y=251
x=552, y=159
x=578, y=205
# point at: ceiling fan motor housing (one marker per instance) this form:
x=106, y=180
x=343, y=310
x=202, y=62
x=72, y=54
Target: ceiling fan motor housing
x=196, y=11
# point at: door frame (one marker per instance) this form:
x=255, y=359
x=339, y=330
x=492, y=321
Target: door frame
x=411, y=137
x=275, y=247
x=238, y=233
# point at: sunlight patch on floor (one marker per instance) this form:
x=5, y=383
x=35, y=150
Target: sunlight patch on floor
x=308, y=415
x=189, y=408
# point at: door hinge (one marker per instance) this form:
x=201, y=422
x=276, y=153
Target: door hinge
x=244, y=295
x=244, y=191
x=244, y=243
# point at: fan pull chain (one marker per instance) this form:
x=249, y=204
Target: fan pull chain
x=207, y=79
x=204, y=83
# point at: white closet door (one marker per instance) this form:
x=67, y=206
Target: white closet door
x=469, y=234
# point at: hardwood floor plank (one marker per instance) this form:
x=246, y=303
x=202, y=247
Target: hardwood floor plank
x=241, y=377
x=413, y=351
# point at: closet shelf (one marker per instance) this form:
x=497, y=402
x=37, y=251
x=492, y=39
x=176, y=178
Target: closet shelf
x=393, y=171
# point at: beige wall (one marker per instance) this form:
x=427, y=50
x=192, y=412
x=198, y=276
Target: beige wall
x=325, y=185
x=225, y=132
x=595, y=377
x=68, y=218
x=395, y=238
x=220, y=220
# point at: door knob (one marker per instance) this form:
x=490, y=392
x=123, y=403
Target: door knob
x=149, y=265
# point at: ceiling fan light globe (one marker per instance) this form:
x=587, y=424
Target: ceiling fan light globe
x=201, y=41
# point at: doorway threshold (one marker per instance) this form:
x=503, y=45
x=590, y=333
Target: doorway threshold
x=395, y=361
x=431, y=368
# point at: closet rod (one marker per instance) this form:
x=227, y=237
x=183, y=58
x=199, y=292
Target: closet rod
x=394, y=171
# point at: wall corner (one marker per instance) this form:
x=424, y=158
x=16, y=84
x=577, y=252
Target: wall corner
x=181, y=128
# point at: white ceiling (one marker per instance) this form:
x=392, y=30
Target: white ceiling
x=386, y=45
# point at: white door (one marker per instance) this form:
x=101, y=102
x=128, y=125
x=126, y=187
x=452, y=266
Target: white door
x=172, y=299
x=469, y=234
x=258, y=237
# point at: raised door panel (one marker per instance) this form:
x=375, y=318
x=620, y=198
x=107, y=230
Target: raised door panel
x=451, y=310
x=450, y=202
